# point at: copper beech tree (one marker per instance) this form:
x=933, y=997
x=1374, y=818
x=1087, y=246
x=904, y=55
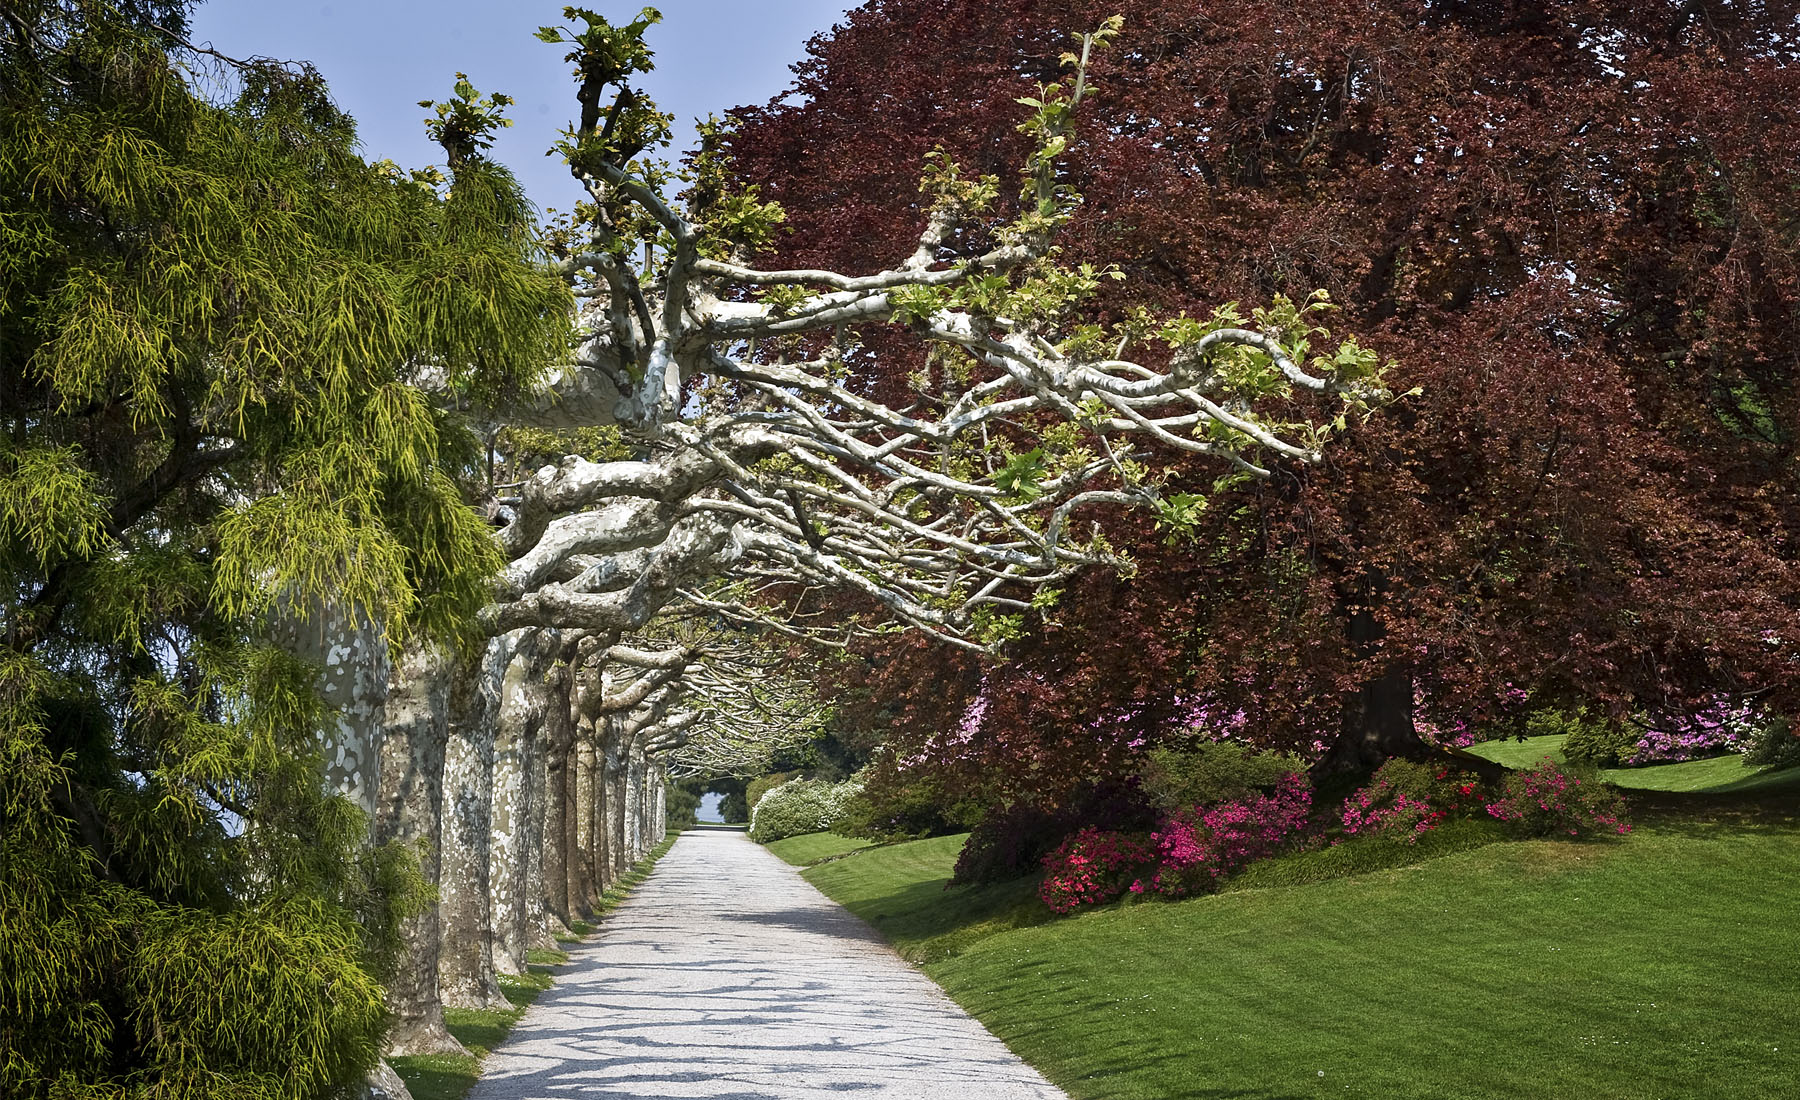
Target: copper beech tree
x=1572, y=225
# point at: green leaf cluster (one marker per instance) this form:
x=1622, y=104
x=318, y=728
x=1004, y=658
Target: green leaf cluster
x=215, y=324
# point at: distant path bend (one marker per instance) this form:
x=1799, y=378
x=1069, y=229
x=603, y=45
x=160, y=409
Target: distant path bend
x=728, y=976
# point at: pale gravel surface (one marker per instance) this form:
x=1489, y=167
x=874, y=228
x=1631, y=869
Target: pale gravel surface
x=726, y=975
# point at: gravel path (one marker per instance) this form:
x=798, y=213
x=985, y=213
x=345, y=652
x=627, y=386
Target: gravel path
x=727, y=975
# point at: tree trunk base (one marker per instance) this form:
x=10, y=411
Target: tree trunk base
x=382, y=1083
x=422, y=1035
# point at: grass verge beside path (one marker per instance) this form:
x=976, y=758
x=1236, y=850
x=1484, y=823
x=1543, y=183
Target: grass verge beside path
x=1726, y=774
x=1660, y=966
x=451, y=1076
x=811, y=848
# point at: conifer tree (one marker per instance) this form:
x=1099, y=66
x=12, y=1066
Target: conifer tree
x=212, y=317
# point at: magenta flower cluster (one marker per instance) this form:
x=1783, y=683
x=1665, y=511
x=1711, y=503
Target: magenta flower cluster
x=1092, y=867
x=1547, y=801
x=1189, y=851
x=1379, y=809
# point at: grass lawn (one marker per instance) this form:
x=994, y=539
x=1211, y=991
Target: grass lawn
x=451, y=1076
x=1664, y=965
x=1715, y=775
x=813, y=847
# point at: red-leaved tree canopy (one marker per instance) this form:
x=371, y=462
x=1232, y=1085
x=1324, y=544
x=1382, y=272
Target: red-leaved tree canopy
x=1573, y=225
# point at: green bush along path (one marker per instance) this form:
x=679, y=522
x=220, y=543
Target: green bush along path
x=1665, y=965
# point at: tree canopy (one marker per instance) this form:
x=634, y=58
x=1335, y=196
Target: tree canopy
x=213, y=314
x=1571, y=227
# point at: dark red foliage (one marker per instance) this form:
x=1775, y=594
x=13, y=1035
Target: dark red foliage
x=1576, y=225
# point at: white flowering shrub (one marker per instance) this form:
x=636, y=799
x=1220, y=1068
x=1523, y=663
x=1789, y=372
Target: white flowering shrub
x=801, y=806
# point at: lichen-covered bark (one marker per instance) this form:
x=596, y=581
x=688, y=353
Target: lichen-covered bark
x=541, y=924
x=354, y=669
x=580, y=794
x=613, y=765
x=466, y=976
x=408, y=805
x=523, y=699
x=561, y=835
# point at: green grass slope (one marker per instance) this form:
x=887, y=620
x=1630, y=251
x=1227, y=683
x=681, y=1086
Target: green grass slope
x=810, y=848
x=1715, y=775
x=1665, y=965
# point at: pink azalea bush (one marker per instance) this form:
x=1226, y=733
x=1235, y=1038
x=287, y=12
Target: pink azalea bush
x=1198, y=847
x=1189, y=852
x=1093, y=867
x=1549, y=801
x=1406, y=800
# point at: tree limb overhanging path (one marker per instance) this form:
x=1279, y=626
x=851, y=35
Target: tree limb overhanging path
x=729, y=976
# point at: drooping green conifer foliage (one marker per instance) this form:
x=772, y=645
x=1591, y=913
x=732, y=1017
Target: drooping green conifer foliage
x=216, y=324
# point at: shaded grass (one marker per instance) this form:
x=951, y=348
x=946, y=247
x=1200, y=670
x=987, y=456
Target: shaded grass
x=900, y=890
x=813, y=847
x=451, y=1076
x=1726, y=774
x=1659, y=965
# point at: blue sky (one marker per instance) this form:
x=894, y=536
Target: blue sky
x=382, y=56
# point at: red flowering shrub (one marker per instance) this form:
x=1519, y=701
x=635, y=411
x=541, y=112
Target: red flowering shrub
x=1190, y=851
x=1198, y=847
x=1405, y=799
x=1546, y=800
x=1092, y=867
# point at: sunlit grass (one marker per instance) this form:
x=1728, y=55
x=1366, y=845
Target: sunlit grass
x=813, y=847
x=1726, y=774
x=1659, y=965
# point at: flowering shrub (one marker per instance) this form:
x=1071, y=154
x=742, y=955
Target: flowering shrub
x=1379, y=810
x=1197, y=847
x=1092, y=867
x=1547, y=800
x=1188, y=853
x=1405, y=799
x=1721, y=726
x=801, y=806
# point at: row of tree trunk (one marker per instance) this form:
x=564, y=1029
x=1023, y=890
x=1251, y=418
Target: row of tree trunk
x=523, y=794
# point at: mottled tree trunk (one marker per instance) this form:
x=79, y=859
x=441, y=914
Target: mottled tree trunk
x=558, y=796
x=579, y=794
x=514, y=833
x=466, y=975
x=634, y=801
x=659, y=803
x=614, y=763
x=541, y=924
x=407, y=812
x=352, y=657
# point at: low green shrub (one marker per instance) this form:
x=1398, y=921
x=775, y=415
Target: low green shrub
x=1775, y=744
x=1180, y=777
x=800, y=806
x=895, y=805
x=1590, y=738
